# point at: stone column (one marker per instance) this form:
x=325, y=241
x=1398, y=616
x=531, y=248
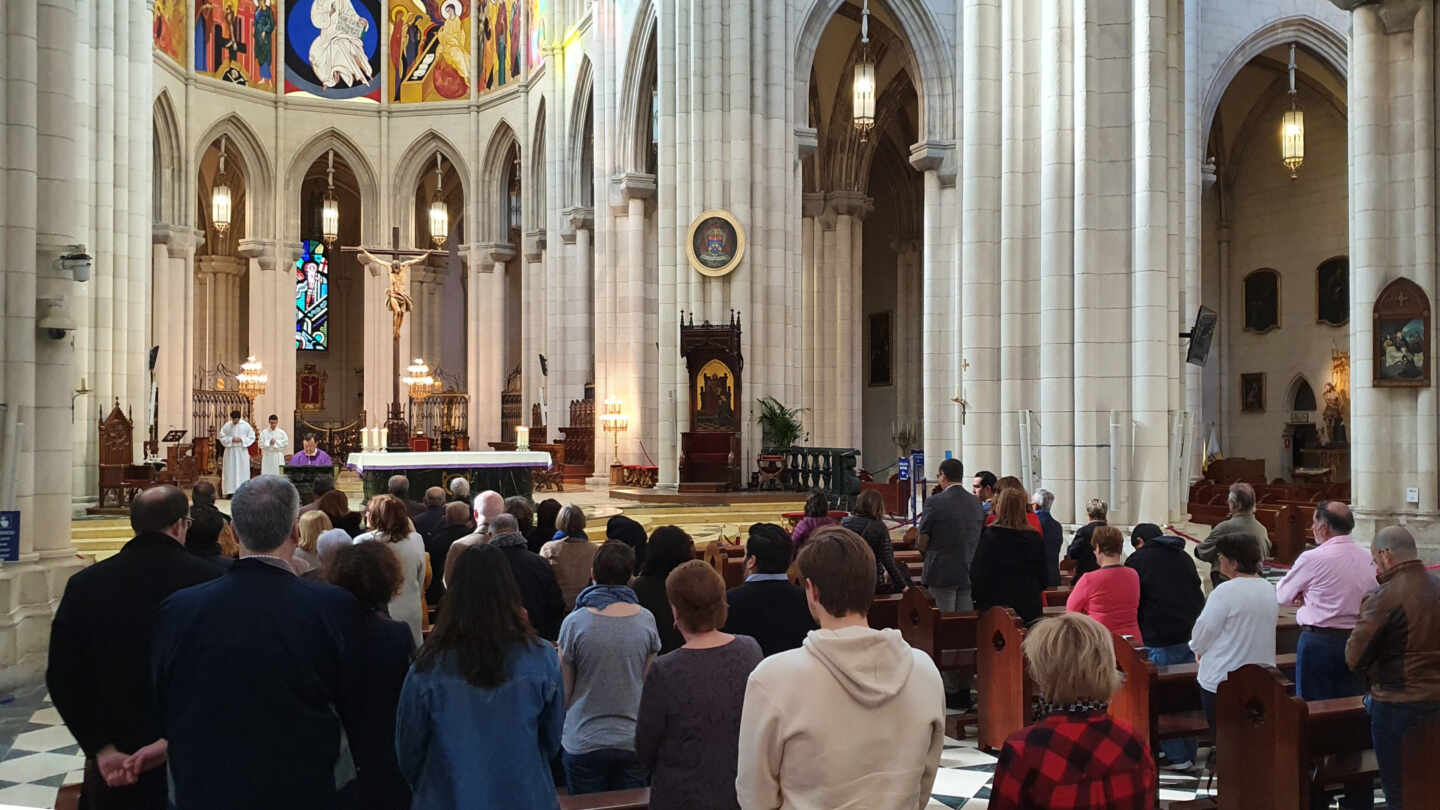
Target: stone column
x=137, y=354
x=174, y=331
x=485, y=352
x=943, y=299
x=270, y=325
x=629, y=368
x=426, y=285
x=532, y=322
x=576, y=321
x=812, y=238
x=1057, y=260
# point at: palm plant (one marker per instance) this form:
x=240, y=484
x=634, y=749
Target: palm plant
x=779, y=426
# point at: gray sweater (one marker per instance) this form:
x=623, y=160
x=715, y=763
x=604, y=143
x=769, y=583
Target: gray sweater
x=1244, y=523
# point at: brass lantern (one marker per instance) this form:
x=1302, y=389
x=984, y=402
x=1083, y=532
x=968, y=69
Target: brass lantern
x=439, y=212
x=330, y=208
x=862, y=105
x=1292, y=128
x=220, y=209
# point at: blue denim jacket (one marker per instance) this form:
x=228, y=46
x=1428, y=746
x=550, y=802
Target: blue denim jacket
x=461, y=746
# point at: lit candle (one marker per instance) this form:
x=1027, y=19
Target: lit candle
x=384, y=439
x=522, y=437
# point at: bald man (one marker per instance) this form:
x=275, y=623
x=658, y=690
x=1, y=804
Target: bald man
x=488, y=506
x=99, y=670
x=1327, y=582
x=1396, y=643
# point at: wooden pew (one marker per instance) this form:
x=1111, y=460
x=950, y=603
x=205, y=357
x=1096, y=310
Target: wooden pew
x=633, y=799
x=1420, y=777
x=1005, y=689
x=728, y=560
x=885, y=611
x=1276, y=750
x=948, y=638
x=1055, y=597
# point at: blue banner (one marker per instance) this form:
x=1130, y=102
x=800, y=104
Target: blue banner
x=10, y=536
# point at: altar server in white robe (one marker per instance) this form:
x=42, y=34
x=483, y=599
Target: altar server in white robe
x=236, y=436
x=273, y=443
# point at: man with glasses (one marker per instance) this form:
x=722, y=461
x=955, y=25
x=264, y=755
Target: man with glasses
x=99, y=671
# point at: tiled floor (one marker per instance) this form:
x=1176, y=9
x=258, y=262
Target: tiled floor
x=38, y=755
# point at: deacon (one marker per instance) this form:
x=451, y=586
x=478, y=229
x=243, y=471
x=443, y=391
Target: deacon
x=310, y=454
x=236, y=436
x=273, y=441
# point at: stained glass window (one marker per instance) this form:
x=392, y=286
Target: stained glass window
x=312, y=297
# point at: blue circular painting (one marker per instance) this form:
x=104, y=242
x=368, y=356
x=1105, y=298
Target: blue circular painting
x=333, y=48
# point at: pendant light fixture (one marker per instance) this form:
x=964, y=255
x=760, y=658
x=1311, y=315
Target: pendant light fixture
x=439, y=212
x=220, y=196
x=862, y=104
x=330, y=209
x=1292, y=128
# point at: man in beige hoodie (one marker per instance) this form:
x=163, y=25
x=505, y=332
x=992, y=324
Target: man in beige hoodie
x=855, y=718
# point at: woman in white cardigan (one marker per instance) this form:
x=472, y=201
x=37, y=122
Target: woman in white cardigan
x=389, y=523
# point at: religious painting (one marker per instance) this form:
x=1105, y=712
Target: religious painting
x=1252, y=393
x=310, y=388
x=502, y=42
x=312, y=298
x=716, y=243
x=881, y=361
x=1332, y=291
x=714, y=397
x=1402, y=335
x=235, y=41
x=1261, y=299
x=429, y=53
x=171, y=34
x=332, y=48
x=539, y=30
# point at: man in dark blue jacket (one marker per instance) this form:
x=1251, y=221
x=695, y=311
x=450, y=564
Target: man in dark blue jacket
x=767, y=607
x=1170, y=601
x=255, y=672
x=99, y=671
x=1052, y=533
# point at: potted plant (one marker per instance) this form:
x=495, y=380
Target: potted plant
x=779, y=426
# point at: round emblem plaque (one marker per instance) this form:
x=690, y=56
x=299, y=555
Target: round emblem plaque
x=716, y=243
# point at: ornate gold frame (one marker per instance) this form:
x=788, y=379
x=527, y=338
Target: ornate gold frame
x=739, y=243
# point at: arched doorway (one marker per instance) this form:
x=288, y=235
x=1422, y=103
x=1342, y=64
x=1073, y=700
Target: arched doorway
x=1273, y=263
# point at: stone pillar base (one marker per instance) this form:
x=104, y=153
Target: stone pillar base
x=29, y=593
x=1424, y=525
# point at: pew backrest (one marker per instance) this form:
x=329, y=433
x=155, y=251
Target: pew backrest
x=1005, y=686
x=1131, y=702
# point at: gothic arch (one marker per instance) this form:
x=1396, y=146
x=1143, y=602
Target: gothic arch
x=1300, y=396
x=1310, y=33
x=254, y=166
x=929, y=61
x=584, y=93
x=633, y=99
x=170, y=164
x=535, y=186
x=417, y=161
x=368, y=186
x=493, y=198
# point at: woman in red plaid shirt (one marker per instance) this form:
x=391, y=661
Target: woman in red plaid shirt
x=1076, y=757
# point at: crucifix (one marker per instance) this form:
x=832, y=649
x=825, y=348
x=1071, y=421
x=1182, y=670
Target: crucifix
x=397, y=300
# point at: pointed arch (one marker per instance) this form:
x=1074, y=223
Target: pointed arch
x=1324, y=42
x=1300, y=396
x=580, y=109
x=365, y=178
x=634, y=98
x=419, y=159
x=535, y=187
x=170, y=164
x=254, y=166
x=930, y=62
x=493, y=198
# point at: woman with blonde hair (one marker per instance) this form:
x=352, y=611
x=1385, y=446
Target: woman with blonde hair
x=1072, y=660
x=389, y=523
x=570, y=553
x=312, y=525
x=1009, y=565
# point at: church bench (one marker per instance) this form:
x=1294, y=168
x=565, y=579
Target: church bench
x=1004, y=688
x=1276, y=750
x=1055, y=597
x=728, y=560
x=1420, y=777
x=633, y=799
x=948, y=638
x=885, y=611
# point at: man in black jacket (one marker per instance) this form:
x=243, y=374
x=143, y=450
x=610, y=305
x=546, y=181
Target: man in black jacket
x=399, y=486
x=767, y=607
x=1170, y=601
x=459, y=522
x=206, y=522
x=255, y=672
x=429, y=521
x=539, y=589
x=99, y=671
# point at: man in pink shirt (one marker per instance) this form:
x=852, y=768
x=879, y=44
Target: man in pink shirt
x=1328, y=582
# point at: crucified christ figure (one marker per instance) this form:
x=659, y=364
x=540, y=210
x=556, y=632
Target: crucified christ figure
x=397, y=298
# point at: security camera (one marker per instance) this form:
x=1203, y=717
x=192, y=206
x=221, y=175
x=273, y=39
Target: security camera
x=76, y=262
x=54, y=317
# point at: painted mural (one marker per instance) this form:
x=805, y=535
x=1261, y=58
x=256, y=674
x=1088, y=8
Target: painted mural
x=170, y=32
x=539, y=30
x=429, y=50
x=332, y=48
x=502, y=37
x=235, y=41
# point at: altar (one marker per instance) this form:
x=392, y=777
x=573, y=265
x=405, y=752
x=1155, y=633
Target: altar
x=506, y=473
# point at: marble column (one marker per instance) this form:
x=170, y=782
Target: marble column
x=485, y=353
x=575, y=325
x=426, y=288
x=533, y=322
x=173, y=252
x=627, y=333
x=943, y=301
x=1057, y=261
x=812, y=242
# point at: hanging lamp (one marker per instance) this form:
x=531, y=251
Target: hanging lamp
x=330, y=208
x=439, y=211
x=862, y=105
x=1292, y=128
x=220, y=196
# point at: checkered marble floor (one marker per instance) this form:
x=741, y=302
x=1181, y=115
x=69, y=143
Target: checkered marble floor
x=38, y=755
